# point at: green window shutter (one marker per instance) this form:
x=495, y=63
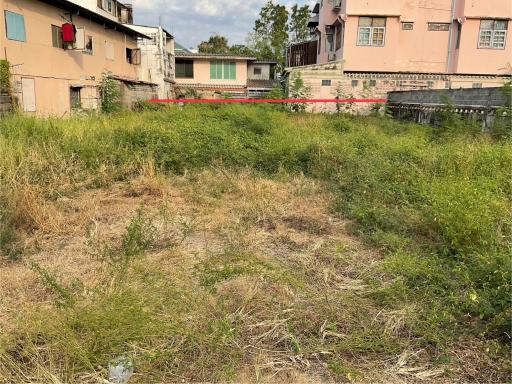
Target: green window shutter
x=219, y=70
x=232, y=72
x=15, y=24
x=213, y=70
x=226, y=71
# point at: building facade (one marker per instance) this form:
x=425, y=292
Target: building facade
x=261, y=77
x=217, y=75
x=58, y=52
x=157, y=59
x=383, y=46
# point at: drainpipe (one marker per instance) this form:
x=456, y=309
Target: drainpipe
x=450, y=38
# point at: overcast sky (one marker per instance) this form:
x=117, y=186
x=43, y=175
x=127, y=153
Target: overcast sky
x=193, y=21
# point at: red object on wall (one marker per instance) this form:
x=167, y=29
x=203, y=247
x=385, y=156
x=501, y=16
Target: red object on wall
x=68, y=33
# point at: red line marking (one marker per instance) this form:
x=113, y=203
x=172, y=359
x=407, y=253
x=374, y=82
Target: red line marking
x=268, y=101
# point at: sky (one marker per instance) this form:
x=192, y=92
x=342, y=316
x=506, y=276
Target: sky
x=193, y=21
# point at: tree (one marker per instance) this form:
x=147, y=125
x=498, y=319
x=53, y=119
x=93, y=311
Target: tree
x=241, y=50
x=299, y=19
x=270, y=34
x=215, y=44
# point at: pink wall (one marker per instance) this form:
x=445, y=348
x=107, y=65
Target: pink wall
x=474, y=60
x=420, y=49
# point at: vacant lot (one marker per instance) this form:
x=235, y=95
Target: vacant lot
x=246, y=244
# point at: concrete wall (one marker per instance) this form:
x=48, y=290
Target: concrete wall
x=131, y=93
x=483, y=97
x=55, y=70
x=363, y=85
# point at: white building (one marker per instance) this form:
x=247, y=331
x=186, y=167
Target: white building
x=157, y=59
x=112, y=9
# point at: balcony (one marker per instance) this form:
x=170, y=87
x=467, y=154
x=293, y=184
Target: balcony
x=301, y=54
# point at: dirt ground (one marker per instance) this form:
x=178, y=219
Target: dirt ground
x=286, y=223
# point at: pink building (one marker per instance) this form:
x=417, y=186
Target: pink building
x=406, y=44
x=433, y=36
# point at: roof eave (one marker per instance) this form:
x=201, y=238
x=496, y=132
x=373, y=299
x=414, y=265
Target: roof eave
x=84, y=12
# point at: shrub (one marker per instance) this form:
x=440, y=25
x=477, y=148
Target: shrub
x=110, y=94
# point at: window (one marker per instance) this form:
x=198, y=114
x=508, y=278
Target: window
x=459, y=34
x=74, y=97
x=373, y=83
x=326, y=83
x=109, y=50
x=88, y=46
x=184, y=69
x=108, y=5
x=406, y=26
x=56, y=36
x=133, y=56
x=222, y=70
x=430, y=84
x=329, y=40
x=493, y=34
x=438, y=26
x=339, y=36
x=257, y=70
x=15, y=24
x=477, y=85
x=372, y=31
x=355, y=83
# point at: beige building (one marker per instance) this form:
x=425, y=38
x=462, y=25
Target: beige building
x=210, y=75
x=382, y=46
x=53, y=77
x=214, y=75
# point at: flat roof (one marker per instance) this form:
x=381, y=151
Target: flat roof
x=78, y=10
x=265, y=62
x=150, y=26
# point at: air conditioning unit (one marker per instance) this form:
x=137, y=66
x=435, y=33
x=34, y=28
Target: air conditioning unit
x=331, y=56
x=336, y=4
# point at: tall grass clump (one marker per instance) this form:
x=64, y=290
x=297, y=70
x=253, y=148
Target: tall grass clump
x=438, y=208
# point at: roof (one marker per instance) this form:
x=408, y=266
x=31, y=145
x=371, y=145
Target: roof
x=76, y=9
x=150, y=26
x=261, y=84
x=265, y=62
x=132, y=81
x=190, y=55
x=179, y=47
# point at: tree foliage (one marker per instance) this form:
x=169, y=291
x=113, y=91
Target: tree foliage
x=299, y=19
x=270, y=34
x=215, y=44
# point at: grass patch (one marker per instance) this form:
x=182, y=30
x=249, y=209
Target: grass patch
x=434, y=202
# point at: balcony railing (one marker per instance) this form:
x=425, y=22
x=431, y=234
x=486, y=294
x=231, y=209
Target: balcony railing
x=301, y=54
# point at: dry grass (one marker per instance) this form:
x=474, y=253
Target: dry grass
x=245, y=279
